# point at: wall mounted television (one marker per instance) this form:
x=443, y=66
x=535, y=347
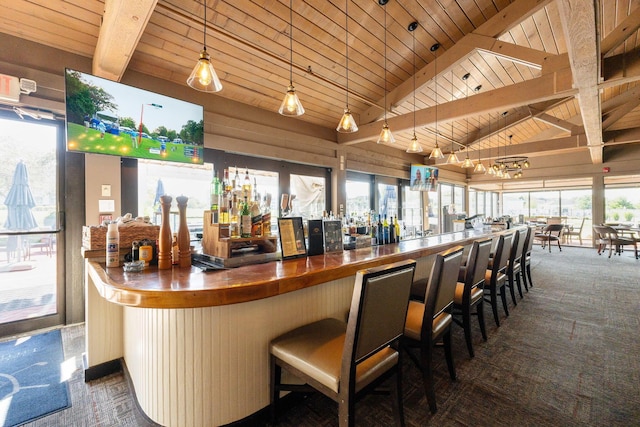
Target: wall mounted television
x=107, y=117
x=423, y=178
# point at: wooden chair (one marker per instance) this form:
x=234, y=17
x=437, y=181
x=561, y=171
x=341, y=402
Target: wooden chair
x=573, y=232
x=550, y=233
x=344, y=360
x=526, y=259
x=608, y=236
x=514, y=266
x=496, y=277
x=429, y=322
x=470, y=290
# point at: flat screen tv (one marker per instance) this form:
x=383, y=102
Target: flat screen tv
x=423, y=178
x=107, y=117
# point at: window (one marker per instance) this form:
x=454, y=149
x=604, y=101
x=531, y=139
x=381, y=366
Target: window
x=388, y=200
x=622, y=199
x=411, y=211
x=308, y=193
x=358, y=198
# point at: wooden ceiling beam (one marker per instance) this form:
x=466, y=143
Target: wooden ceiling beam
x=579, y=23
x=123, y=23
x=550, y=86
x=615, y=38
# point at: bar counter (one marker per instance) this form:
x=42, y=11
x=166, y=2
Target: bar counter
x=196, y=343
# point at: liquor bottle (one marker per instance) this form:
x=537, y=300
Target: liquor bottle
x=385, y=227
x=215, y=198
x=392, y=231
x=245, y=219
x=246, y=185
x=256, y=219
x=380, y=234
x=224, y=204
x=234, y=218
x=397, y=228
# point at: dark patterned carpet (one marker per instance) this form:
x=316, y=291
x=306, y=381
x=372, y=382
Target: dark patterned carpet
x=568, y=355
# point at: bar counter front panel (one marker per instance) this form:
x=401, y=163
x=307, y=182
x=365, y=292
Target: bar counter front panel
x=196, y=344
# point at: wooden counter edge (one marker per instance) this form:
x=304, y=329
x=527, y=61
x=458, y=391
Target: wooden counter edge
x=234, y=293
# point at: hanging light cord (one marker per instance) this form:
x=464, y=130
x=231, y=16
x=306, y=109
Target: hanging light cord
x=346, y=27
x=385, y=65
x=204, y=39
x=291, y=42
x=414, y=83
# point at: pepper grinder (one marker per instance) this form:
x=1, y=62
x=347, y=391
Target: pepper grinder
x=164, y=238
x=184, y=242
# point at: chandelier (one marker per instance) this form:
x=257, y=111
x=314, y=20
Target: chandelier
x=511, y=164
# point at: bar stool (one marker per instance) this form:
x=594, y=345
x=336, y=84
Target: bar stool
x=526, y=259
x=470, y=290
x=430, y=321
x=495, y=278
x=514, y=267
x=344, y=360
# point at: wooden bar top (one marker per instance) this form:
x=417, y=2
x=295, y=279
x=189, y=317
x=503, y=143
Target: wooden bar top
x=192, y=288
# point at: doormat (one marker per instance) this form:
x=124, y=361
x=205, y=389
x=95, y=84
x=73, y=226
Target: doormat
x=30, y=378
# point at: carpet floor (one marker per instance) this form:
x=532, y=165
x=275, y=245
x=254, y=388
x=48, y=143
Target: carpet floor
x=567, y=355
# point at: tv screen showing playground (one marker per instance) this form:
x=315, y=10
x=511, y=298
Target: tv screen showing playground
x=107, y=117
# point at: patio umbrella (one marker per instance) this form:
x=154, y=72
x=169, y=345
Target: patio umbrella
x=159, y=193
x=19, y=201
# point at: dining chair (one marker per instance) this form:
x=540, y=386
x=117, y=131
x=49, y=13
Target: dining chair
x=608, y=236
x=470, y=290
x=496, y=277
x=526, y=259
x=550, y=233
x=344, y=360
x=573, y=232
x=514, y=265
x=429, y=322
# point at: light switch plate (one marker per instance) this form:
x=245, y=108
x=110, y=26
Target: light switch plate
x=106, y=190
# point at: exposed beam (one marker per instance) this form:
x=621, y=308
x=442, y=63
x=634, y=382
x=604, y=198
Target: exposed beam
x=615, y=38
x=579, y=23
x=526, y=56
x=620, y=113
x=553, y=121
x=481, y=38
x=550, y=86
x=123, y=23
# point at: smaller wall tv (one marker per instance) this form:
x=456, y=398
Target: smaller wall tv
x=424, y=178
x=107, y=117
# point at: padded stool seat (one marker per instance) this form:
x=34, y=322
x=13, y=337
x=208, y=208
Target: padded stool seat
x=316, y=350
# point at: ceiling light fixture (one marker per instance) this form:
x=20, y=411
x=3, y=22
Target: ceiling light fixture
x=204, y=77
x=479, y=166
x=453, y=158
x=347, y=122
x=436, y=153
x=414, y=145
x=386, y=137
x=291, y=105
x=503, y=166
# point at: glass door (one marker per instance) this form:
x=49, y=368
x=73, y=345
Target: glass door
x=32, y=294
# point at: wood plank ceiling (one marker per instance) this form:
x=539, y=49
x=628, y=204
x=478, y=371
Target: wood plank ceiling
x=563, y=71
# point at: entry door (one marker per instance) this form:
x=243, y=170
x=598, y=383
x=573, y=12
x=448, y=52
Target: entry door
x=31, y=255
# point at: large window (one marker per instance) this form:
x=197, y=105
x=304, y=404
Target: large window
x=388, y=200
x=622, y=199
x=358, y=198
x=411, y=212
x=308, y=194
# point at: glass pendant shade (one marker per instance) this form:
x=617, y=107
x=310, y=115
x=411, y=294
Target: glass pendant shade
x=436, y=153
x=414, y=145
x=526, y=164
x=491, y=171
x=480, y=168
x=347, y=123
x=204, y=77
x=467, y=163
x=386, y=137
x=452, y=159
x=291, y=105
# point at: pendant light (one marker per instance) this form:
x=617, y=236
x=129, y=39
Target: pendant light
x=204, y=77
x=386, y=137
x=436, y=153
x=347, y=122
x=414, y=145
x=291, y=105
x=479, y=166
x=468, y=163
x=452, y=159
x=491, y=171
